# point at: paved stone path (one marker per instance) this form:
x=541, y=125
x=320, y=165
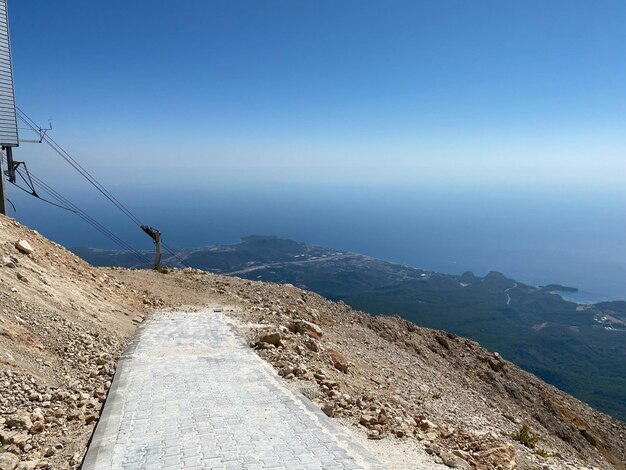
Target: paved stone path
x=189, y=393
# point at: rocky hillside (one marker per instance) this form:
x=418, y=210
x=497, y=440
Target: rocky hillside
x=62, y=326
x=531, y=326
x=399, y=388
x=394, y=381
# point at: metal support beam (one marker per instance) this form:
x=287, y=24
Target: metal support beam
x=157, y=255
x=11, y=166
x=3, y=198
x=156, y=236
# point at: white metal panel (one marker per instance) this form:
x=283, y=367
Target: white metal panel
x=8, y=119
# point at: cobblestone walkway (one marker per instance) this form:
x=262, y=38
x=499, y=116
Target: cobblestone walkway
x=189, y=393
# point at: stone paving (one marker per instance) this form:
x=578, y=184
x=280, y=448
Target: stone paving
x=189, y=393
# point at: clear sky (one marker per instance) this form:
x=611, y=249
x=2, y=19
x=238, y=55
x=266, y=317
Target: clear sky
x=389, y=92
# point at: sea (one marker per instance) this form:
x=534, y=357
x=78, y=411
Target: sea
x=538, y=235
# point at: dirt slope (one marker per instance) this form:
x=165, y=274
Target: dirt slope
x=62, y=326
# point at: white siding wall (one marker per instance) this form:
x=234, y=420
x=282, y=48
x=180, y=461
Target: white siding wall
x=8, y=121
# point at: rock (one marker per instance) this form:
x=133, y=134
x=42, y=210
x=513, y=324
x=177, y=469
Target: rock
x=328, y=410
x=426, y=425
x=285, y=371
x=8, y=461
x=590, y=437
x=503, y=456
x=374, y=434
x=443, y=341
x=21, y=277
x=306, y=328
x=8, y=262
x=20, y=440
x=338, y=360
x=496, y=364
x=24, y=247
x=37, y=428
x=21, y=421
x=330, y=384
x=90, y=418
x=312, y=344
x=368, y=419
x=319, y=376
x=273, y=338
x=49, y=452
x=27, y=465
x=137, y=319
x=453, y=461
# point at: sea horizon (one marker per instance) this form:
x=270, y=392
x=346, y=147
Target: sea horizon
x=535, y=237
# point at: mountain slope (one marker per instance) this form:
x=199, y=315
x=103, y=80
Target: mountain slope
x=388, y=378
x=409, y=389
x=580, y=349
x=62, y=326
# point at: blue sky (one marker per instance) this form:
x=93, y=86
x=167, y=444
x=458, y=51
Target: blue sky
x=389, y=92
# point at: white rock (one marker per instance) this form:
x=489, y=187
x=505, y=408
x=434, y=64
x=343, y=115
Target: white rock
x=24, y=247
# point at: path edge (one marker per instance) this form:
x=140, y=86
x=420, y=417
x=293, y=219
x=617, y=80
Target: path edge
x=98, y=448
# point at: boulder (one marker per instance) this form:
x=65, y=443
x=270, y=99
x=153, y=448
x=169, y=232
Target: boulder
x=21, y=421
x=24, y=247
x=369, y=419
x=271, y=338
x=338, y=360
x=306, y=328
x=496, y=364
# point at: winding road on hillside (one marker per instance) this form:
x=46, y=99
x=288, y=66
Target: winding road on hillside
x=189, y=393
x=508, y=296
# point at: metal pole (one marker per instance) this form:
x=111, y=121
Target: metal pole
x=3, y=199
x=157, y=256
x=10, y=164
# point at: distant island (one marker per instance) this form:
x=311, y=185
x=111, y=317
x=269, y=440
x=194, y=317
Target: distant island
x=557, y=288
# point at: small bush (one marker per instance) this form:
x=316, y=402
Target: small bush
x=542, y=453
x=526, y=437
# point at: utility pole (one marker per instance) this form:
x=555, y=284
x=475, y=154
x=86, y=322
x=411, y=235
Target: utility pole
x=156, y=236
